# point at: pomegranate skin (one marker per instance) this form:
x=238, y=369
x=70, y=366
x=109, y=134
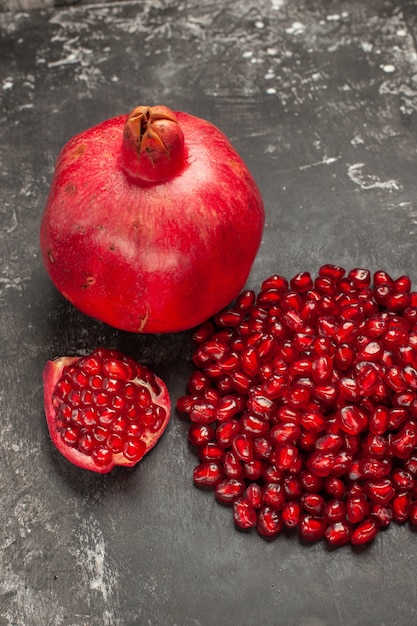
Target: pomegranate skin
x=151, y=257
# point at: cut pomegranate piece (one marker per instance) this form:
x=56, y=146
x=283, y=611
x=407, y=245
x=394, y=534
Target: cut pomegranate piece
x=104, y=409
x=303, y=405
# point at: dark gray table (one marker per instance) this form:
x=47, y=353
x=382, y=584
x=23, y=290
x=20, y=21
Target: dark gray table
x=321, y=101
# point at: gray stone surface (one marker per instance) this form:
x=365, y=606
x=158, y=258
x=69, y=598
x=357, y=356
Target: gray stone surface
x=320, y=99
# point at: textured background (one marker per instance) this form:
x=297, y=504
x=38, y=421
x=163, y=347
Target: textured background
x=320, y=99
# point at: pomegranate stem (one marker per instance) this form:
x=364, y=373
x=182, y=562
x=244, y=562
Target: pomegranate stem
x=153, y=145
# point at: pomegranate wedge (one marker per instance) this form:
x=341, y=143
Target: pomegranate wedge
x=104, y=409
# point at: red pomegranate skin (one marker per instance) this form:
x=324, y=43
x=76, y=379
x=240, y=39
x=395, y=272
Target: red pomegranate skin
x=151, y=257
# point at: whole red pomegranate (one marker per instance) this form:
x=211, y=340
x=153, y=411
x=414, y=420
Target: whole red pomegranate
x=104, y=409
x=153, y=221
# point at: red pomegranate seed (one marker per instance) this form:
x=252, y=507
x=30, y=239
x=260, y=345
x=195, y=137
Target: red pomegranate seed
x=211, y=451
x=380, y=490
x=284, y=456
x=382, y=514
x=379, y=420
x=287, y=432
x=352, y=420
x=274, y=495
x=321, y=463
x=339, y=533
x=253, y=495
x=334, y=511
x=330, y=442
x=402, y=479
x=253, y=470
x=357, y=507
x=229, y=490
x=290, y=513
x=207, y=474
x=301, y=282
x=269, y=523
x=244, y=514
x=233, y=467
x=262, y=448
x=364, y=533
x=334, y=487
x=227, y=431
x=203, y=413
x=402, y=444
x=401, y=505
x=242, y=446
x=313, y=503
x=311, y=528
x=293, y=486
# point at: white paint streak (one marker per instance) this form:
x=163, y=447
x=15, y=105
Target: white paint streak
x=388, y=68
x=370, y=181
x=100, y=576
x=325, y=161
x=276, y=5
x=296, y=28
x=7, y=83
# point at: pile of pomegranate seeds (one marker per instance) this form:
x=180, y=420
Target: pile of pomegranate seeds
x=303, y=405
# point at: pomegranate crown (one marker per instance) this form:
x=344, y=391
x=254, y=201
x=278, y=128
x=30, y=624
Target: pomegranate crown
x=153, y=144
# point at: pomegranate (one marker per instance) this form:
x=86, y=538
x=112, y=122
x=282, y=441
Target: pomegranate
x=104, y=409
x=303, y=405
x=152, y=222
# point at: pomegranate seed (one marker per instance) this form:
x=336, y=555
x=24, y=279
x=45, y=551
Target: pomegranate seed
x=357, y=507
x=401, y=505
x=334, y=487
x=233, y=468
x=334, y=511
x=274, y=495
x=352, y=420
x=203, y=413
x=402, y=444
x=246, y=300
x=364, y=533
x=302, y=282
x=254, y=469
x=211, y=451
x=402, y=479
x=330, y=442
x=207, y=474
x=242, y=446
x=253, y=495
x=293, y=487
x=290, y=514
x=333, y=272
x=269, y=523
x=244, y=514
x=284, y=456
x=311, y=528
x=380, y=490
x=321, y=463
x=229, y=490
x=382, y=514
x=313, y=503
x=262, y=448
x=339, y=533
